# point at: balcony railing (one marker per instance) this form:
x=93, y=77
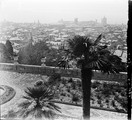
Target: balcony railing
x=74, y=73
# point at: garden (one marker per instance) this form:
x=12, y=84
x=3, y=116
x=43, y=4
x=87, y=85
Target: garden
x=108, y=95
x=64, y=90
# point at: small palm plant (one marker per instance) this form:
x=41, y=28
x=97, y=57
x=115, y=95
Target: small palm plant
x=75, y=98
x=90, y=55
x=38, y=103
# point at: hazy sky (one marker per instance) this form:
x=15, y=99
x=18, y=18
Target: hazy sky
x=47, y=11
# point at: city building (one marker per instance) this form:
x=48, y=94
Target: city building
x=104, y=21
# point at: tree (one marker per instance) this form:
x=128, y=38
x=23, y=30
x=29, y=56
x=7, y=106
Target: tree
x=32, y=54
x=9, y=47
x=40, y=50
x=53, y=57
x=25, y=53
x=37, y=103
x=4, y=54
x=90, y=55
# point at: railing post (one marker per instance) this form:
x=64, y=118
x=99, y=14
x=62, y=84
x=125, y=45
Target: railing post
x=16, y=60
x=43, y=60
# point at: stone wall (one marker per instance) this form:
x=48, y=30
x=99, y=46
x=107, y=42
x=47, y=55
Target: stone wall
x=74, y=73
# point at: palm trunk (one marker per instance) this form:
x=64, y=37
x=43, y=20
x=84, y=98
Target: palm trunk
x=86, y=75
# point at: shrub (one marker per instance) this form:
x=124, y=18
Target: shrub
x=9, y=47
x=75, y=98
x=54, y=79
x=38, y=83
x=95, y=84
x=37, y=103
x=32, y=54
x=63, y=94
x=4, y=54
x=70, y=80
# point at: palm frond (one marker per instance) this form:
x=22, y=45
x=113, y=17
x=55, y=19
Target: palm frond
x=49, y=114
x=64, y=62
x=97, y=62
x=80, y=62
x=102, y=63
x=27, y=97
x=10, y=114
x=55, y=106
x=37, y=103
x=25, y=104
x=115, y=58
x=38, y=113
x=35, y=92
x=103, y=52
x=103, y=60
x=98, y=39
x=47, y=95
x=24, y=113
x=79, y=44
x=92, y=54
x=100, y=48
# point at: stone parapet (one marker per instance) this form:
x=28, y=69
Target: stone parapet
x=74, y=73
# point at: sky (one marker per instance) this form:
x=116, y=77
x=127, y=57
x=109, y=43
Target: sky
x=51, y=11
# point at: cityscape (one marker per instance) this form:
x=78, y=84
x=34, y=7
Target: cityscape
x=71, y=69
x=55, y=35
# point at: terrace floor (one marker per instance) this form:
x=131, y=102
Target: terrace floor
x=19, y=81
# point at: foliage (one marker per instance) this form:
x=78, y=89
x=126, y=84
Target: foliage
x=118, y=92
x=95, y=84
x=75, y=98
x=25, y=53
x=40, y=50
x=10, y=114
x=54, y=78
x=91, y=54
x=122, y=99
x=64, y=62
x=32, y=54
x=39, y=83
x=37, y=103
x=9, y=47
x=53, y=57
x=111, y=95
x=4, y=54
x=70, y=80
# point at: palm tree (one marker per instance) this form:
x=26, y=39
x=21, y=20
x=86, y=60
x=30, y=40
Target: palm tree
x=38, y=103
x=90, y=55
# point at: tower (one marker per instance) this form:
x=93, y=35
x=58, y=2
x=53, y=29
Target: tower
x=39, y=23
x=76, y=20
x=104, y=21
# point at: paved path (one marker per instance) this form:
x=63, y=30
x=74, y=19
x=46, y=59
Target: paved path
x=20, y=81
x=7, y=95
